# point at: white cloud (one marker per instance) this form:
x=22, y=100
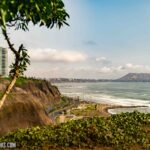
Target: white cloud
x=125, y=68
x=84, y=69
x=132, y=66
x=53, y=55
x=105, y=70
x=100, y=59
x=120, y=68
x=85, y=72
x=137, y=68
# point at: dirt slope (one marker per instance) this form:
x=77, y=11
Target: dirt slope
x=25, y=106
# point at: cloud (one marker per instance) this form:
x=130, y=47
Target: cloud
x=105, y=70
x=102, y=60
x=129, y=67
x=76, y=71
x=90, y=43
x=53, y=55
x=137, y=68
x=95, y=67
x=132, y=66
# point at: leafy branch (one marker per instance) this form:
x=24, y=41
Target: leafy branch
x=17, y=14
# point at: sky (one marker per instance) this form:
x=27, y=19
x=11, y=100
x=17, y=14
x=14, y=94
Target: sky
x=106, y=39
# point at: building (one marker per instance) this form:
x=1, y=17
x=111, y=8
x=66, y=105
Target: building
x=3, y=62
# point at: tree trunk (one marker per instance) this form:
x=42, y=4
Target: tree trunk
x=8, y=89
x=17, y=71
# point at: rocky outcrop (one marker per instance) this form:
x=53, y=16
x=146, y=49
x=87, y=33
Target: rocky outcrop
x=26, y=104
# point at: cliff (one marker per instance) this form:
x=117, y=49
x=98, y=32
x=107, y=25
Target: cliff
x=26, y=104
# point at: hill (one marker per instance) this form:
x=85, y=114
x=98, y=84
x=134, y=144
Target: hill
x=138, y=77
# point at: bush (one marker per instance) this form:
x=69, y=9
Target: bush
x=118, y=131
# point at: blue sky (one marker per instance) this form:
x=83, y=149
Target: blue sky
x=106, y=39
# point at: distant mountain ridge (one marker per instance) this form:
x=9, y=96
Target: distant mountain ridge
x=130, y=77
x=139, y=77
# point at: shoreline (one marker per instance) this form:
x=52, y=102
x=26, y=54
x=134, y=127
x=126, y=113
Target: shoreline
x=104, y=108
x=119, y=106
x=79, y=109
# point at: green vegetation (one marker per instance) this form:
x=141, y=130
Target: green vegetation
x=90, y=110
x=23, y=79
x=1, y=94
x=65, y=101
x=123, y=131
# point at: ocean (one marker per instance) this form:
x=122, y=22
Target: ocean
x=116, y=93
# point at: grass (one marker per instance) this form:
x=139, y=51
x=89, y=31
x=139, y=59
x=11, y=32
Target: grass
x=90, y=110
x=1, y=94
x=64, y=102
x=20, y=80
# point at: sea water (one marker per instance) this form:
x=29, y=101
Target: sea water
x=115, y=93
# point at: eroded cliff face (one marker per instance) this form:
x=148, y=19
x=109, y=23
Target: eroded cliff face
x=43, y=91
x=26, y=104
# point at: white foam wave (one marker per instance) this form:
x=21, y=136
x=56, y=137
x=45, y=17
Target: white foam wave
x=119, y=101
x=120, y=110
x=108, y=99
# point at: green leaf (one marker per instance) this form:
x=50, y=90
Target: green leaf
x=43, y=12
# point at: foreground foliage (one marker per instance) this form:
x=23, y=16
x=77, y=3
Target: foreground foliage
x=122, y=131
x=18, y=14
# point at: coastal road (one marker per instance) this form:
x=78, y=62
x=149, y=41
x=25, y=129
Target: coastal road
x=56, y=113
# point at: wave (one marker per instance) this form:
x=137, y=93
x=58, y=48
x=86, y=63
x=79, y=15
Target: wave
x=120, y=110
x=108, y=99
